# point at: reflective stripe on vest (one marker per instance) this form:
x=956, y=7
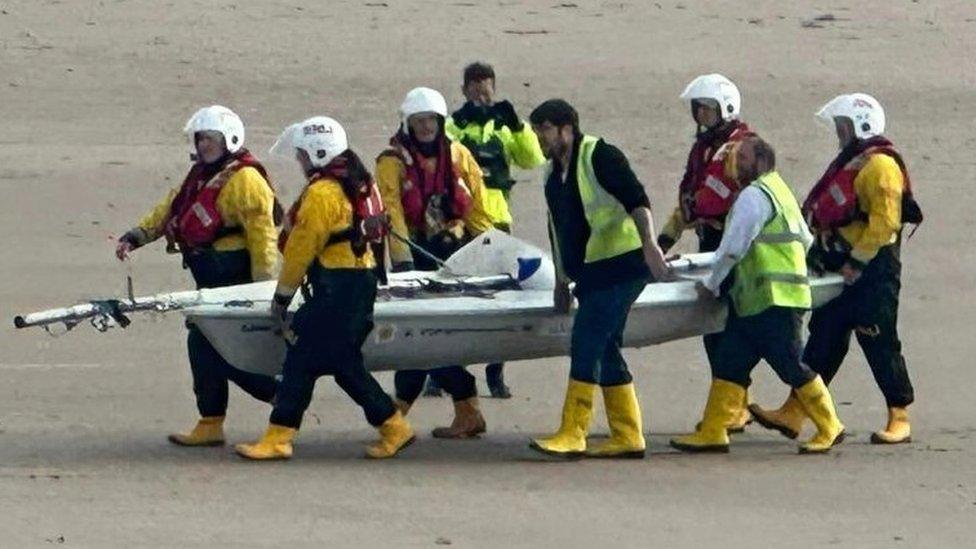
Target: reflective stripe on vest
x=612, y=230
x=774, y=270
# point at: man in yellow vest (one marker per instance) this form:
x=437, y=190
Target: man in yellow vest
x=603, y=240
x=857, y=211
x=765, y=243
x=498, y=139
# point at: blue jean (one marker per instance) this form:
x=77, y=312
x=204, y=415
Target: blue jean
x=598, y=334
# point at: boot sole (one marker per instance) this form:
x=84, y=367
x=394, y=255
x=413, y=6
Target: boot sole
x=459, y=436
x=837, y=440
x=773, y=426
x=210, y=444
x=730, y=430
x=568, y=456
x=635, y=454
x=400, y=449
x=875, y=439
x=710, y=449
x=272, y=458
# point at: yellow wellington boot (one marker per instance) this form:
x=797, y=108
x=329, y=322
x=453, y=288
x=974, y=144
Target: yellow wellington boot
x=724, y=401
x=468, y=421
x=395, y=435
x=740, y=419
x=209, y=431
x=626, y=429
x=788, y=419
x=898, y=429
x=570, y=439
x=819, y=407
x=275, y=444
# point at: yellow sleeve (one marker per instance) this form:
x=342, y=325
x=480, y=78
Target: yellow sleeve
x=320, y=214
x=247, y=201
x=389, y=177
x=522, y=147
x=675, y=225
x=153, y=223
x=478, y=220
x=879, y=187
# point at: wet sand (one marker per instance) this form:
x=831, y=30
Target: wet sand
x=93, y=96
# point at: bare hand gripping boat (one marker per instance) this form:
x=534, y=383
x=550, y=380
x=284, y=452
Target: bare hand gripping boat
x=491, y=302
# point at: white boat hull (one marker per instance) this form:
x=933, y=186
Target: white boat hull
x=440, y=331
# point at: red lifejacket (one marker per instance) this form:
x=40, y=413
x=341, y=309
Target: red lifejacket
x=370, y=223
x=194, y=220
x=706, y=191
x=833, y=201
x=442, y=190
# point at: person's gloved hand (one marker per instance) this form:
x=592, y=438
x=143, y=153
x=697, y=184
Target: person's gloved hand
x=401, y=266
x=851, y=272
x=131, y=240
x=279, y=306
x=375, y=227
x=562, y=298
x=815, y=261
x=665, y=242
x=505, y=113
x=279, y=310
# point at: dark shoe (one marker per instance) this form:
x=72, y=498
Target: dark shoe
x=432, y=389
x=499, y=390
x=495, y=376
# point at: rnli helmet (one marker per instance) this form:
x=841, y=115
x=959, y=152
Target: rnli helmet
x=217, y=119
x=717, y=88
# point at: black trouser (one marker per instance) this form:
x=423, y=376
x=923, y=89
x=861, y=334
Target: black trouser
x=457, y=381
x=211, y=373
x=454, y=379
x=772, y=335
x=709, y=239
x=869, y=308
x=331, y=328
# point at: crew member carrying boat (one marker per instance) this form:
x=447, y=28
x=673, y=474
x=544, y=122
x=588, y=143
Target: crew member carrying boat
x=435, y=195
x=708, y=187
x=326, y=244
x=603, y=240
x=857, y=211
x=765, y=243
x=222, y=220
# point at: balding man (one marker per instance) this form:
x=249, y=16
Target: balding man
x=765, y=242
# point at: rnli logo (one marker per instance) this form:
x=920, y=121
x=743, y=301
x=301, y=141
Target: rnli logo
x=314, y=129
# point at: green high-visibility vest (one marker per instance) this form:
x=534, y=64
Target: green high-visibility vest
x=774, y=270
x=612, y=230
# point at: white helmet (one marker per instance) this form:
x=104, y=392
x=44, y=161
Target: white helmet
x=320, y=136
x=860, y=108
x=719, y=89
x=217, y=119
x=421, y=100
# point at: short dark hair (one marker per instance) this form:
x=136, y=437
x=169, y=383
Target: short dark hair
x=478, y=71
x=765, y=154
x=556, y=112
